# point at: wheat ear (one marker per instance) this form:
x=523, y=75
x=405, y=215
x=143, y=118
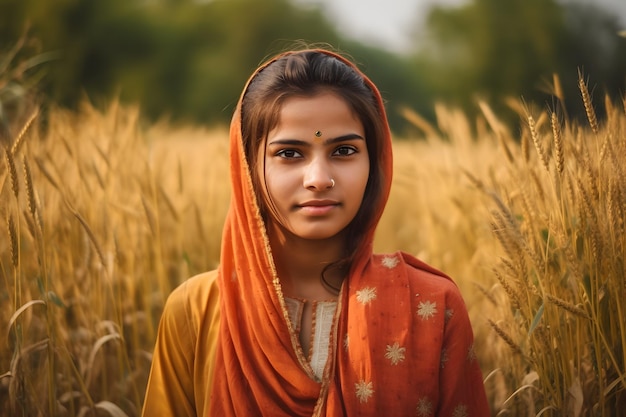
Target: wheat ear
x=567, y=306
x=15, y=186
x=20, y=136
x=30, y=192
x=591, y=112
x=537, y=142
x=13, y=240
x=505, y=336
x=558, y=142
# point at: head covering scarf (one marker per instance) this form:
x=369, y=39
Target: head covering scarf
x=260, y=368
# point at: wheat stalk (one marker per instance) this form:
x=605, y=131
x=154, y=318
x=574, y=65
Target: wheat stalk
x=505, y=336
x=537, y=142
x=94, y=351
x=12, y=172
x=591, y=112
x=46, y=173
x=503, y=234
x=558, y=142
x=149, y=215
x=169, y=203
x=616, y=210
x=22, y=134
x=587, y=205
x=525, y=147
x=618, y=168
x=514, y=296
x=558, y=92
x=13, y=241
x=30, y=224
x=538, y=185
x=527, y=209
x=567, y=306
x=30, y=193
x=90, y=233
x=485, y=292
x=604, y=147
x=509, y=267
x=475, y=181
x=592, y=177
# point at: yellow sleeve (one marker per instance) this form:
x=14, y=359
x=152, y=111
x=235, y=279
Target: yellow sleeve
x=174, y=377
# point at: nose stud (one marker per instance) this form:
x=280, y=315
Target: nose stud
x=332, y=183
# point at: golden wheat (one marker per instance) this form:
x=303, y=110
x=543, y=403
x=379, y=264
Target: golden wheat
x=506, y=337
x=558, y=143
x=589, y=109
x=13, y=241
x=15, y=186
x=537, y=142
x=20, y=136
x=130, y=212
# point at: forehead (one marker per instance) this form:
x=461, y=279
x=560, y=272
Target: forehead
x=316, y=116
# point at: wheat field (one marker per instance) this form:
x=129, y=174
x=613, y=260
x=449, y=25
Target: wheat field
x=103, y=215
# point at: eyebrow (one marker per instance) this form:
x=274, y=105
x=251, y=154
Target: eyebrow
x=298, y=142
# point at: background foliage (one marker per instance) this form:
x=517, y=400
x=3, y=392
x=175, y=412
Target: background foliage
x=188, y=59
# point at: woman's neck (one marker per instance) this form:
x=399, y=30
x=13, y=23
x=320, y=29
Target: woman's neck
x=301, y=262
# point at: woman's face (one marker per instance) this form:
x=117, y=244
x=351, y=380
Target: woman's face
x=316, y=166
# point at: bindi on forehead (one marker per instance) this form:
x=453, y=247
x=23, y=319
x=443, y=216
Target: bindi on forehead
x=317, y=136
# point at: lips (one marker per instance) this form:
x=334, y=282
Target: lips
x=317, y=207
x=318, y=203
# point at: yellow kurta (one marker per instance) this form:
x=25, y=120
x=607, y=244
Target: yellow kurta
x=182, y=369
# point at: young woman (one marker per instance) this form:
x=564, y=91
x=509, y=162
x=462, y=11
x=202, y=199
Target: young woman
x=301, y=318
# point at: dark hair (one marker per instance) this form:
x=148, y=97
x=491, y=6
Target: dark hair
x=306, y=74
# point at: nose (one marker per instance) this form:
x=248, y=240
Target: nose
x=317, y=175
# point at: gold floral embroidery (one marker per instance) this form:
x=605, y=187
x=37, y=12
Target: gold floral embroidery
x=364, y=390
x=395, y=353
x=366, y=295
x=390, y=262
x=471, y=354
x=460, y=411
x=424, y=408
x=426, y=309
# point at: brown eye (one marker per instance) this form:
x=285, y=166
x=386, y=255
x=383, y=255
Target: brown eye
x=345, y=151
x=288, y=153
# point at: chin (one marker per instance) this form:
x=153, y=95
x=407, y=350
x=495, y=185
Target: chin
x=310, y=232
x=318, y=234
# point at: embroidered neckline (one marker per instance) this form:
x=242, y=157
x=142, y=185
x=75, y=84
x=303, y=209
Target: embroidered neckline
x=323, y=315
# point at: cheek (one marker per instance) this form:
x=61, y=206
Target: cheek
x=277, y=185
x=359, y=181
x=262, y=184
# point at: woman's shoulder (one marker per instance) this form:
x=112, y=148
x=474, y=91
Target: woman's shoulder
x=204, y=282
x=195, y=297
x=197, y=287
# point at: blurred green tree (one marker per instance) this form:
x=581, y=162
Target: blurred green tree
x=495, y=49
x=187, y=59
x=183, y=57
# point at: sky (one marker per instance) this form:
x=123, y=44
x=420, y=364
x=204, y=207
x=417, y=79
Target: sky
x=389, y=23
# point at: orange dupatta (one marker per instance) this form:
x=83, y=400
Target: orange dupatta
x=260, y=368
